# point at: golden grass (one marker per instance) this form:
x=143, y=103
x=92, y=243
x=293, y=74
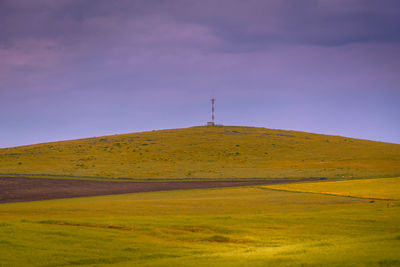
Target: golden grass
x=244, y=226
x=384, y=188
x=207, y=152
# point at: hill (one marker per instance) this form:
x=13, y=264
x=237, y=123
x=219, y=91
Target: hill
x=207, y=152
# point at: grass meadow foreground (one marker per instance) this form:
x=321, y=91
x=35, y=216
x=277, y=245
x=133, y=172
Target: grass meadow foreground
x=243, y=226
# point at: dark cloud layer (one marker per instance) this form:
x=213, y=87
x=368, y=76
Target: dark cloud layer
x=253, y=22
x=74, y=68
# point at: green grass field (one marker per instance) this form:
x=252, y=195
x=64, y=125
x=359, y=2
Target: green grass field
x=334, y=223
x=384, y=188
x=207, y=152
x=248, y=226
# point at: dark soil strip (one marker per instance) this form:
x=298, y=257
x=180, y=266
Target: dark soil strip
x=17, y=189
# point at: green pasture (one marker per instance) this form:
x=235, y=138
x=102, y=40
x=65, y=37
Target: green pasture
x=380, y=188
x=221, y=152
x=243, y=226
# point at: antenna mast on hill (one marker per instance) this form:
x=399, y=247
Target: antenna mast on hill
x=212, y=122
x=213, y=110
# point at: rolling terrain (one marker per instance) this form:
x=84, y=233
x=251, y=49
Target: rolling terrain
x=207, y=152
x=352, y=222
x=242, y=226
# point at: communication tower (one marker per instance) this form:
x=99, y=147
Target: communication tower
x=212, y=122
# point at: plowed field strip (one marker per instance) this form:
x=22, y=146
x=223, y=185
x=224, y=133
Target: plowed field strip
x=18, y=189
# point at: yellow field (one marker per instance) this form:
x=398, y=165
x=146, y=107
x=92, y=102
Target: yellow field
x=384, y=188
x=207, y=152
x=244, y=226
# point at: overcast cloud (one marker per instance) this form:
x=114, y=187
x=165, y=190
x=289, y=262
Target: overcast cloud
x=73, y=69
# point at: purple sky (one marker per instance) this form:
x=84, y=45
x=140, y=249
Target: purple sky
x=81, y=68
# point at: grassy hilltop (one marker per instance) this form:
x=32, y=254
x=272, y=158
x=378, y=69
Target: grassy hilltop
x=207, y=152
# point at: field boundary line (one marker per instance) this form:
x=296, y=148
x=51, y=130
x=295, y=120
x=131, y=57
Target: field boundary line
x=329, y=194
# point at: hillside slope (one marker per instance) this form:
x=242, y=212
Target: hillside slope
x=207, y=152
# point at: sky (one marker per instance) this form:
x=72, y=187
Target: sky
x=82, y=68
